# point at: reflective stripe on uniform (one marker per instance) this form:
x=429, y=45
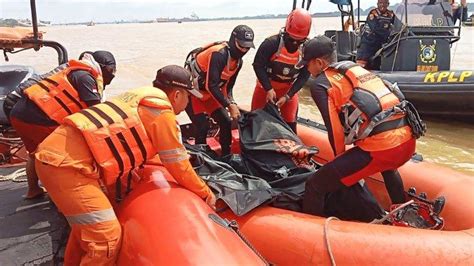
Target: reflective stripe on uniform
x=155, y=111
x=172, y=152
x=174, y=159
x=92, y=217
x=173, y=155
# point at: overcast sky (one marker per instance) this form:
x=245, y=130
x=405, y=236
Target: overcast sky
x=60, y=11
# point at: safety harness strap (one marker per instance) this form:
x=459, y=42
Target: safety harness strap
x=134, y=130
x=389, y=125
x=120, y=136
x=91, y=118
x=351, y=136
x=118, y=183
x=115, y=152
x=103, y=115
x=117, y=109
x=352, y=123
x=191, y=61
x=354, y=116
x=51, y=81
x=65, y=91
x=140, y=143
x=378, y=123
x=281, y=43
x=379, y=119
x=60, y=102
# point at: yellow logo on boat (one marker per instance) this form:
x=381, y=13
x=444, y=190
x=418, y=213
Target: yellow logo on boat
x=447, y=76
x=428, y=52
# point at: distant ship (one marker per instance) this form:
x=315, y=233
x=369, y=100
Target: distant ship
x=27, y=23
x=162, y=20
x=193, y=17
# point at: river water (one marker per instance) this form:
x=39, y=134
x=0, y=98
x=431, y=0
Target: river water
x=141, y=49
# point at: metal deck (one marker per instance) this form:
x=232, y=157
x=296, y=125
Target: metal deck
x=31, y=231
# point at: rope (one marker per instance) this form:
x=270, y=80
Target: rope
x=235, y=227
x=18, y=140
x=326, y=238
x=15, y=176
x=14, y=145
x=398, y=45
x=383, y=219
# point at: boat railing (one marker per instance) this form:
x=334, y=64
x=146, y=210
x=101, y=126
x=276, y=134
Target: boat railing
x=59, y=48
x=421, y=32
x=36, y=42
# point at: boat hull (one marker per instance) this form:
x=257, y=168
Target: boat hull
x=444, y=93
x=164, y=224
x=289, y=238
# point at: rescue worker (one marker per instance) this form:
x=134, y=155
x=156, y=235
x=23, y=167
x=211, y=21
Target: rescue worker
x=459, y=11
x=100, y=145
x=274, y=65
x=50, y=97
x=374, y=34
x=361, y=109
x=216, y=67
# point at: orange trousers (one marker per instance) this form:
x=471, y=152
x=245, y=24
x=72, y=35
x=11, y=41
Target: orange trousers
x=95, y=231
x=289, y=111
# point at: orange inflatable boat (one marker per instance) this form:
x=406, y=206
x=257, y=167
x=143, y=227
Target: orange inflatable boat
x=164, y=224
x=289, y=238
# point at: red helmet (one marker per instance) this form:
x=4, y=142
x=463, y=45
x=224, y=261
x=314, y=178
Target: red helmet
x=298, y=24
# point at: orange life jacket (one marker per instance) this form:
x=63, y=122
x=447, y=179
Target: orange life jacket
x=54, y=94
x=371, y=107
x=199, y=61
x=281, y=67
x=115, y=134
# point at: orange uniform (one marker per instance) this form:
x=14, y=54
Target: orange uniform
x=358, y=108
x=216, y=71
x=274, y=67
x=340, y=92
x=56, y=96
x=53, y=96
x=95, y=149
x=208, y=84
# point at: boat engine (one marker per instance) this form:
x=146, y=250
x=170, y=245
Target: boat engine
x=419, y=213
